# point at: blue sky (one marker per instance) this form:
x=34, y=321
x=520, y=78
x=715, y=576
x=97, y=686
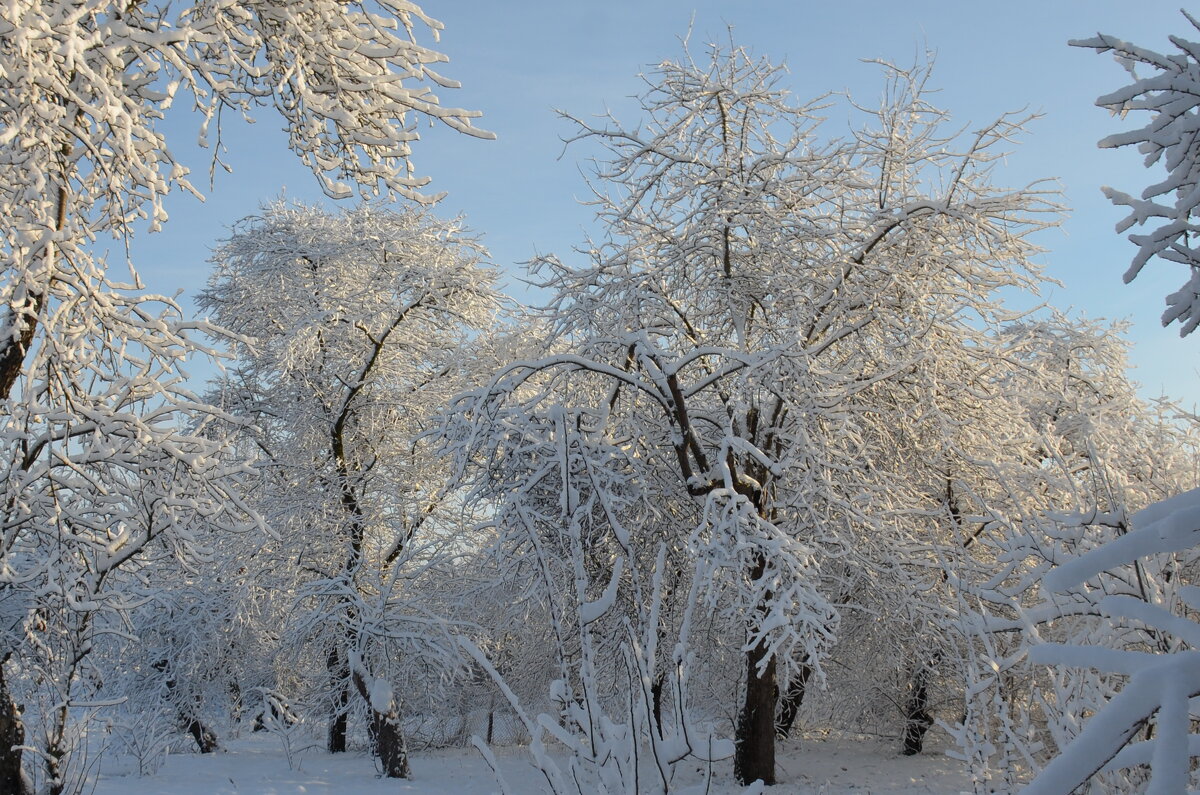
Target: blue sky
x=519, y=60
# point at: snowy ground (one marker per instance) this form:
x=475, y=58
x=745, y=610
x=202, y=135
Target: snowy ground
x=258, y=766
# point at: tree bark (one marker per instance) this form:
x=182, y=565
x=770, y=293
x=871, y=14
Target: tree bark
x=12, y=355
x=339, y=674
x=793, y=699
x=338, y=662
x=656, y=694
x=754, y=754
x=387, y=735
x=12, y=737
x=917, y=719
x=754, y=740
x=206, y=738
x=390, y=747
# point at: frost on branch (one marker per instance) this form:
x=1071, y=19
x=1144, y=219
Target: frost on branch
x=578, y=536
x=84, y=90
x=1168, y=101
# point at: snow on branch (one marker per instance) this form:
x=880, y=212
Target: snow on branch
x=1161, y=683
x=1168, y=99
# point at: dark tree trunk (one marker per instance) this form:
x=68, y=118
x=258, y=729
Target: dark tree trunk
x=793, y=699
x=12, y=737
x=754, y=754
x=656, y=694
x=337, y=726
x=754, y=738
x=917, y=719
x=54, y=780
x=339, y=673
x=390, y=747
x=238, y=707
x=754, y=757
x=206, y=738
x=12, y=355
x=387, y=736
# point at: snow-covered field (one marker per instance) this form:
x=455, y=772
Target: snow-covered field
x=258, y=765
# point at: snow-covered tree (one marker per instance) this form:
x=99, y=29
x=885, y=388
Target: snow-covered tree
x=924, y=429
x=754, y=285
x=1116, y=613
x=352, y=329
x=102, y=478
x=84, y=88
x=1168, y=99
x=90, y=376
x=1090, y=455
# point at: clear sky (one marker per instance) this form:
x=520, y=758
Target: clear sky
x=521, y=59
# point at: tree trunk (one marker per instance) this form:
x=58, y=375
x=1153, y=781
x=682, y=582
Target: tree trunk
x=338, y=662
x=339, y=674
x=390, y=747
x=754, y=738
x=656, y=694
x=54, y=780
x=387, y=736
x=238, y=707
x=917, y=719
x=12, y=737
x=754, y=754
x=793, y=698
x=12, y=355
x=206, y=738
